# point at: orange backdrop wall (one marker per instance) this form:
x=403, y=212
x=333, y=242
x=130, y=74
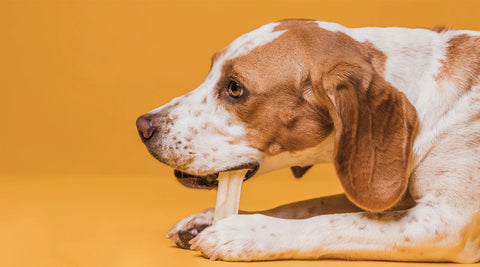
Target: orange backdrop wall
x=76, y=74
x=77, y=187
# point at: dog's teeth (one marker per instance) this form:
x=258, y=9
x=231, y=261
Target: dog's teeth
x=228, y=194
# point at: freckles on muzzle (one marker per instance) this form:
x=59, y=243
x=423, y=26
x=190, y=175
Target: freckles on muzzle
x=153, y=130
x=196, y=147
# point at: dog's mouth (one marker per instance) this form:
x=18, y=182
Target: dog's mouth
x=210, y=181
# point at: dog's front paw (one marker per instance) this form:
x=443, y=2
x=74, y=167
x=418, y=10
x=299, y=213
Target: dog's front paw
x=188, y=228
x=241, y=238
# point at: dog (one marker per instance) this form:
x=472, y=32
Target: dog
x=396, y=110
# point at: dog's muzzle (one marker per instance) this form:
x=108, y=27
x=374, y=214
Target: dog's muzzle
x=148, y=128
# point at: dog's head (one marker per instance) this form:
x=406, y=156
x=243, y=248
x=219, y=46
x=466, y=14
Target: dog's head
x=290, y=94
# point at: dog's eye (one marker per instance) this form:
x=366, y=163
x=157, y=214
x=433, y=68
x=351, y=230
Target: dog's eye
x=235, y=90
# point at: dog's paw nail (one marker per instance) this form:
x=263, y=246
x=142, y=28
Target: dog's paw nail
x=193, y=243
x=190, y=225
x=214, y=256
x=171, y=232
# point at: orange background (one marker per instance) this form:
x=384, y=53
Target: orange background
x=77, y=187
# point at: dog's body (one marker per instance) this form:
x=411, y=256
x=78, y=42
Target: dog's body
x=392, y=107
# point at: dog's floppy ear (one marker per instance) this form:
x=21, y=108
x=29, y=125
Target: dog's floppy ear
x=374, y=126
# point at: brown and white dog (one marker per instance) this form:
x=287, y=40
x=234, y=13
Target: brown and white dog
x=397, y=111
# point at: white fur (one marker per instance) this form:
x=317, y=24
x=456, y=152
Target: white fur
x=445, y=180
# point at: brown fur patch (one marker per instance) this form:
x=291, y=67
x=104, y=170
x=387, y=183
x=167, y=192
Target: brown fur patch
x=309, y=80
x=440, y=28
x=290, y=24
x=462, y=62
x=278, y=112
x=376, y=57
x=275, y=112
x=374, y=122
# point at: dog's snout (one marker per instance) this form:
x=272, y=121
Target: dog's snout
x=145, y=127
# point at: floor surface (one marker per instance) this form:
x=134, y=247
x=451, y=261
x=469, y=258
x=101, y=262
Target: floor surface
x=121, y=221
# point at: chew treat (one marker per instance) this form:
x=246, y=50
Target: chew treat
x=228, y=194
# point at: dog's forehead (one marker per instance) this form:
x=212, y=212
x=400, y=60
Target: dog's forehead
x=239, y=47
x=249, y=41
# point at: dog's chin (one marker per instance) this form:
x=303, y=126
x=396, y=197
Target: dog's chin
x=210, y=181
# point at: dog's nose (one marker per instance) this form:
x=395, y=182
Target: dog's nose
x=145, y=127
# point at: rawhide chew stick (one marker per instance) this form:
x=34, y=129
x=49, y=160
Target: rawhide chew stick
x=228, y=194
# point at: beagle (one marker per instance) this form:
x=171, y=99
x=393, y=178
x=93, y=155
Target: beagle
x=397, y=111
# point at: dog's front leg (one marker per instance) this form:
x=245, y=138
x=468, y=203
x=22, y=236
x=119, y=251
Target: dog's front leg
x=422, y=233
x=186, y=229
